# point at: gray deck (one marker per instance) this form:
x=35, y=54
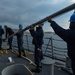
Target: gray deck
x=4, y=63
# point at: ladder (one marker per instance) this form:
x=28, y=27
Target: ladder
x=49, y=51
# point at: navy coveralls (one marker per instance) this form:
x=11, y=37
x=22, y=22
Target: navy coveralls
x=69, y=37
x=1, y=32
x=9, y=32
x=37, y=41
x=20, y=42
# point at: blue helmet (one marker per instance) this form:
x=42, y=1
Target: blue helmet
x=20, y=25
x=72, y=18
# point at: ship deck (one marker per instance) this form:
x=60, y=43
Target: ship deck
x=4, y=63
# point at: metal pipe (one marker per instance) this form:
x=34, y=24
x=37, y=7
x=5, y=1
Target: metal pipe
x=62, y=11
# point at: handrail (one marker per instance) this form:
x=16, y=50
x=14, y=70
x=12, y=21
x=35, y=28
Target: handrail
x=53, y=50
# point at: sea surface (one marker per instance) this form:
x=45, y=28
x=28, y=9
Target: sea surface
x=56, y=47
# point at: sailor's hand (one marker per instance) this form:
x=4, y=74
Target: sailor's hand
x=49, y=20
x=32, y=26
x=14, y=33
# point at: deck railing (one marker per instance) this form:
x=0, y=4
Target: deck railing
x=49, y=49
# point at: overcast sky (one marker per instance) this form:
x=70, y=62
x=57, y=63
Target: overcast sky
x=26, y=12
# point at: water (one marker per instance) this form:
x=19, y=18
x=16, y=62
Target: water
x=59, y=46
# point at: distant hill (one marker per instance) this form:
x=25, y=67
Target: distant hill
x=49, y=32
x=27, y=32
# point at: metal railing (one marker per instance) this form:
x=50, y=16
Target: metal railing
x=49, y=49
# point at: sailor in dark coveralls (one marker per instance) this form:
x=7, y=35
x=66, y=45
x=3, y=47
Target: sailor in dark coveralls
x=20, y=41
x=1, y=33
x=37, y=41
x=9, y=32
x=68, y=35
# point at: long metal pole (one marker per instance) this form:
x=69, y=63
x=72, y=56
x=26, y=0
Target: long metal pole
x=62, y=11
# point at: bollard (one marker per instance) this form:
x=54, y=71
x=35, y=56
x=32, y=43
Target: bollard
x=47, y=66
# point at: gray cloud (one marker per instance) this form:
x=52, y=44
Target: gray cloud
x=13, y=12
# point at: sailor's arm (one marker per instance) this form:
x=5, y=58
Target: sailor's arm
x=32, y=31
x=63, y=33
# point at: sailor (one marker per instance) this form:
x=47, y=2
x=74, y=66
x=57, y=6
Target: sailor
x=1, y=33
x=9, y=32
x=20, y=41
x=68, y=35
x=37, y=41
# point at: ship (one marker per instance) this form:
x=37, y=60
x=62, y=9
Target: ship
x=51, y=52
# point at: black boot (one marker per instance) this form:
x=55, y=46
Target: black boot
x=41, y=67
x=9, y=48
x=19, y=56
x=0, y=48
x=24, y=54
x=37, y=70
